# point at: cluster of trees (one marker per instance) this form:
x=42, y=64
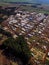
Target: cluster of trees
x=1, y=20
x=7, y=12
x=47, y=62
x=8, y=34
x=17, y=47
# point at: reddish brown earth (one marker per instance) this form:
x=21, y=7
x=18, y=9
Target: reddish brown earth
x=3, y=59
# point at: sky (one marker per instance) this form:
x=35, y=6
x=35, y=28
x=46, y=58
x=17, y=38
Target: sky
x=31, y=1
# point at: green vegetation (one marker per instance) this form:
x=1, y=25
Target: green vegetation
x=3, y=4
x=33, y=9
x=1, y=36
x=36, y=38
x=47, y=62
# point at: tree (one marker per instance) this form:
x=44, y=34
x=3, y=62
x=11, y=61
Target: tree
x=19, y=48
x=24, y=47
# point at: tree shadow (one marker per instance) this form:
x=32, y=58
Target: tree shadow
x=11, y=54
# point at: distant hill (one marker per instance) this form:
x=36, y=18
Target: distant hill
x=20, y=3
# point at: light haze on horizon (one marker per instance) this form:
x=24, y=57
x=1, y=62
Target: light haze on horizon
x=30, y=1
